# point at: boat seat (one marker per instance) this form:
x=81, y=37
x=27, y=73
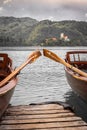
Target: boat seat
x=3, y=74
x=5, y=61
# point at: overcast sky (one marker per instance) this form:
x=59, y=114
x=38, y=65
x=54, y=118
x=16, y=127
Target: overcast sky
x=45, y=9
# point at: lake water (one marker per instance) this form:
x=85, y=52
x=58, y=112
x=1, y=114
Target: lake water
x=44, y=80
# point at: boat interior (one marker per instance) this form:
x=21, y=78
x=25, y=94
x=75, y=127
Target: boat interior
x=5, y=65
x=77, y=59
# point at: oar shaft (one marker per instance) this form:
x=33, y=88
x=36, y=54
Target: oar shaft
x=30, y=59
x=14, y=73
x=74, y=69
x=56, y=58
x=71, y=67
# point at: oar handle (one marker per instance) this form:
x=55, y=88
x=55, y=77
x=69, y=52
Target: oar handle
x=56, y=58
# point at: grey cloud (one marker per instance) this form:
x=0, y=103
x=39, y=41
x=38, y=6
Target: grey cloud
x=42, y=10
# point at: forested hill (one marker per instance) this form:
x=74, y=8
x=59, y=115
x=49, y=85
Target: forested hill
x=30, y=32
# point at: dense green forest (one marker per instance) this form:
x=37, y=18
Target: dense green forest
x=30, y=32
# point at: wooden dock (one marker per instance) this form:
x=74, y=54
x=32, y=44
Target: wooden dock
x=41, y=117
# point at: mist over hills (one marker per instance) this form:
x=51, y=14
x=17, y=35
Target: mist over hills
x=30, y=32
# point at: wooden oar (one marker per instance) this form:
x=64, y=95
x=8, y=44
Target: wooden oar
x=32, y=57
x=56, y=58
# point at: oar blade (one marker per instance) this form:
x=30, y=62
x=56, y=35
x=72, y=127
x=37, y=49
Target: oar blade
x=33, y=56
x=51, y=55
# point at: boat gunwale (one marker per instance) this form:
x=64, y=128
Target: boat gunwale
x=78, y=62
x=75, y=75
x=10, y=85
x=70, y=71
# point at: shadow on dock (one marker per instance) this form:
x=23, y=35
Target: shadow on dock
x=77, y=104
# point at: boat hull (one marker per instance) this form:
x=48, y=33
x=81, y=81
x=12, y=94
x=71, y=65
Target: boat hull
x=6, y=93
x=77, y=83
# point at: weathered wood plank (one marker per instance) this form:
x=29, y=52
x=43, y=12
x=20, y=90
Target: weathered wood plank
x=43, y=125
x=35, y=107
x=39, y=116
x=22, y=121
x=67, y=128
x=33, y=112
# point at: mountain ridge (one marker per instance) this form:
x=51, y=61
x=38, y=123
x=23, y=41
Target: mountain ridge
x=30, y=32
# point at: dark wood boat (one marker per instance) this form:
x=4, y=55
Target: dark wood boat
x=8, y=77
x=77, y=82
x=7, y=90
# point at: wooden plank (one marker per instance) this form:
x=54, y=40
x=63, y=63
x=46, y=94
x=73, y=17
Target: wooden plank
x=39, y=116
x=43, y=125
x=33, y=112
x=45, y=120
x=36, y=107
x=67, y=128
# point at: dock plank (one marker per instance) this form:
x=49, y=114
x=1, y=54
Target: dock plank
x=43, y=125
x=36, y=107
x=45, y=120
x=38, y=116
x=41, y=117
x=34, y=112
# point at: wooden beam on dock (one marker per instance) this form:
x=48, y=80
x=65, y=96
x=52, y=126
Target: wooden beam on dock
x=41, y=117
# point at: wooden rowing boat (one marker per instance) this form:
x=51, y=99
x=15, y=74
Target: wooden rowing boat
x=76, y=69
x=77, y=82
x=7, y=90
x=8, y=77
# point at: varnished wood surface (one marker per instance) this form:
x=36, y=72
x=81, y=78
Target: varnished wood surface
x=41, y=117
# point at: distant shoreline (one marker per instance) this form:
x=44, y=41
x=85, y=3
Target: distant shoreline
x=33, y=48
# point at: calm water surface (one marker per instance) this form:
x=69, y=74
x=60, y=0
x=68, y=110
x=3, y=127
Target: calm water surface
x=44, y=80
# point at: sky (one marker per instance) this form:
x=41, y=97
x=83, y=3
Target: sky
x=55, y=10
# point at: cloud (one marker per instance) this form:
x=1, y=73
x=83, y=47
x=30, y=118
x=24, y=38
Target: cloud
x=6, y=1
x=45, y=9
x=1, y=9
x=86, y=15
x=53, y=2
